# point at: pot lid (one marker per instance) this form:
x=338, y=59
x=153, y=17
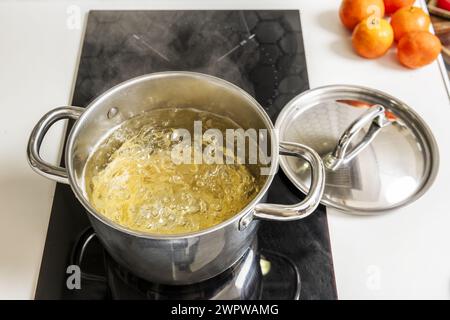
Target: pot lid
x=378, y=152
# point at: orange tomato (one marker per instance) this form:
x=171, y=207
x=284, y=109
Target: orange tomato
x=353, y=12
x=409, y=19
x=417, y=49
x=372, y=37
x=391, y=6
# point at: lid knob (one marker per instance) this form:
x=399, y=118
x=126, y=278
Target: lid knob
x=376, y=117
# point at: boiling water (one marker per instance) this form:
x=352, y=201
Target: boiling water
x=132, y=179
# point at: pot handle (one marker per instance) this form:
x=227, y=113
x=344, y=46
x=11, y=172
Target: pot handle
x=39, y=165
x=376, y=116
x=279, y=212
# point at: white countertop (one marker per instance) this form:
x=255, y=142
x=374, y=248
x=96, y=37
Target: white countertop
x=403, y=254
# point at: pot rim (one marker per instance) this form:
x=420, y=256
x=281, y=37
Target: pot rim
x=91, y=106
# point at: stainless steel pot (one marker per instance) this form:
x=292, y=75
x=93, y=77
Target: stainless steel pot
x=185, y=258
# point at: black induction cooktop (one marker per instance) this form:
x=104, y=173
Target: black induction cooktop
x=260, y=51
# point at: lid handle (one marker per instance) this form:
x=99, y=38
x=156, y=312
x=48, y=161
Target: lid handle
x=341, y=155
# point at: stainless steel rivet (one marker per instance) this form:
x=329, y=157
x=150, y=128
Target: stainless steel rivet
x=112, y=112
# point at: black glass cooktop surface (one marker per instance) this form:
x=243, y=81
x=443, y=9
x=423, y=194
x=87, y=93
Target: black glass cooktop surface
x=260, y=51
